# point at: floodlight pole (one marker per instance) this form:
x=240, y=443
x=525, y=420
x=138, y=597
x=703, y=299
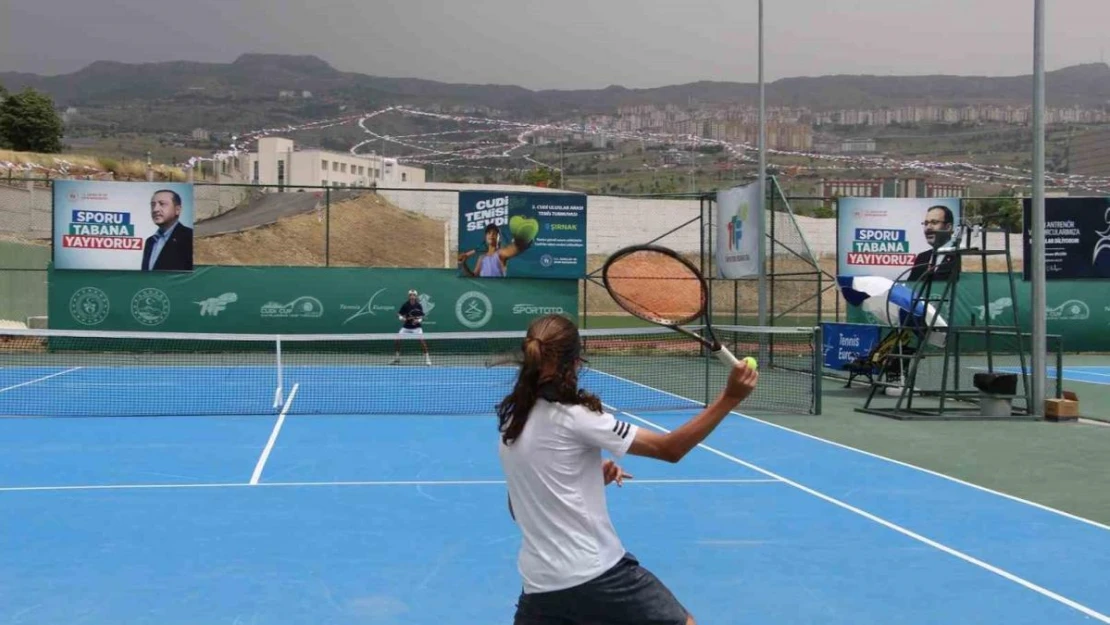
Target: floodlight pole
x=760, y=212
x=1037, y=227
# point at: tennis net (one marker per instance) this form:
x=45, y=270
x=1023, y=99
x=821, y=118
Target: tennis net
x=104, y=373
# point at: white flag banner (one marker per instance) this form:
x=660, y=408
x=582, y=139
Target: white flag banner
x=739, y=232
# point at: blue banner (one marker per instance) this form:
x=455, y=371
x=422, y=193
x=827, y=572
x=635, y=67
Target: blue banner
x=844, y=342
x=522, y=235
x=128, y=226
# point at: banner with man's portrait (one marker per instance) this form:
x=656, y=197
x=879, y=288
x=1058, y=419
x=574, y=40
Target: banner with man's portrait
x=128, y=226
x=896, y=238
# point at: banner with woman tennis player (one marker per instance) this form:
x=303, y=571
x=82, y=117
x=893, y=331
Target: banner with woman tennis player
x=522, y=235
x=130, y=226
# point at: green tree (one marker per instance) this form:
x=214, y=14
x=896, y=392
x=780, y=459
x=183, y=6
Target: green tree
x=1004, y=211
x=29, y=123
x=543, y=177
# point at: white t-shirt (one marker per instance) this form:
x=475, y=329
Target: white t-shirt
x=557, y=493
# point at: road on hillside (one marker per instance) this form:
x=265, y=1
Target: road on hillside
x=269, y=209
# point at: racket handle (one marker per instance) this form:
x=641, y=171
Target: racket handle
x=726, y=356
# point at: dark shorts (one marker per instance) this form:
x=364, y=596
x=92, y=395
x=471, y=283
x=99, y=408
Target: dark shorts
x=626, y=593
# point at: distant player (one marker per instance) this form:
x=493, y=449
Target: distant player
x=412, y=320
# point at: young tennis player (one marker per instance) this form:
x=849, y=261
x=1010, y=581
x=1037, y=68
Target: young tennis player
x=411, y=316
x=574, y=568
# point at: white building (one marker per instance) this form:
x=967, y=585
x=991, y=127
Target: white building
x=279, y=163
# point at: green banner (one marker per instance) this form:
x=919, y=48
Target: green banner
x=298, y=300
x=1077, y=311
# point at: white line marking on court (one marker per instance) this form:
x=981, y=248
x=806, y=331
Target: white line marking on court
x=94, y=487
x=901, y=530
x=696, y=406
x=37, y=380
x=273, y=437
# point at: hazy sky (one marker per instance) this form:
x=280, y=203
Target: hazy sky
x=561, y=43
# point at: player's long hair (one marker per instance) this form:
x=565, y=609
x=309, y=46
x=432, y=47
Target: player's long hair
x=552, y=353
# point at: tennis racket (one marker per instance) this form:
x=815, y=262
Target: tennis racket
x=505, y=358
x=659, y=286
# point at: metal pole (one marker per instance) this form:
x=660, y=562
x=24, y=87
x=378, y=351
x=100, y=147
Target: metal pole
x=762, y=181
x=1037, y=273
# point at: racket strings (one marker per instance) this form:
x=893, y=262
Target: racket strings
x=656, y=286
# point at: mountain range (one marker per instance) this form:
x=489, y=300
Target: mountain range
x=260, y=77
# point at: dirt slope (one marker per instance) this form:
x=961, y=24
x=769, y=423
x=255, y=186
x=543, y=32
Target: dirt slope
x=366, y=232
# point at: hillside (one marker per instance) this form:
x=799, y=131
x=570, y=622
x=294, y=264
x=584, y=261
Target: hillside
x=365, y=231
x=250, y=86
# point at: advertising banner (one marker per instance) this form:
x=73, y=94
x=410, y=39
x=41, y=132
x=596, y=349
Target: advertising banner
x=1076, y=238
x=298, y=300
x=844, y=342
x=894, y=238
x=522, y=235
x=1076, y=311
x=124, y=226
x=739, y=232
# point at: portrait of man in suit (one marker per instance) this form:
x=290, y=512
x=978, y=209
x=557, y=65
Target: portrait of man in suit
x=171, y=247
x=939, y=225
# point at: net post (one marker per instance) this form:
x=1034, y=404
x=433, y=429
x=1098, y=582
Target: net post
x=818, y=352
x=278, y=399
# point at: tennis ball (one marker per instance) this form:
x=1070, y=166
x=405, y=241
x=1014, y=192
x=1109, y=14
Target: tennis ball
x=750, y=362
x=523, y=228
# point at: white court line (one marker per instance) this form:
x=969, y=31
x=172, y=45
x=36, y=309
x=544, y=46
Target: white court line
x=696, y=406
x=273, y=437
x=1067, y=370
x=901, y=530
x=94, y=487
x=37, y=380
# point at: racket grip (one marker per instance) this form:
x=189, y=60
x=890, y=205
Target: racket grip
x=726, y=356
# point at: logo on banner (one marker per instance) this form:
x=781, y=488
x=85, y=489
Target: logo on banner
x=304, y=307
x=150, y=306
x=532, y=309
x=1103, y=243
x=89, y=306
x=213, y=306
x=736, y=227
x=473, y=309
x=372, y=307
x=1071, y=310
x=993, y=309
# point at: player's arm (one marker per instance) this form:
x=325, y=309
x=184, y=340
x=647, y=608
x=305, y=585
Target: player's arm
x=673, y=446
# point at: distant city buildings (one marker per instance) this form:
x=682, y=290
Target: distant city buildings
x=890, y=187
x=792, y=128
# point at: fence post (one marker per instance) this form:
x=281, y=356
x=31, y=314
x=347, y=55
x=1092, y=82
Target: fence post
x=327, y=226
x=818, y=364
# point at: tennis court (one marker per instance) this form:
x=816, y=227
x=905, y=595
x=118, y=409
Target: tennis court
x=1091, y=374
x=371, y=493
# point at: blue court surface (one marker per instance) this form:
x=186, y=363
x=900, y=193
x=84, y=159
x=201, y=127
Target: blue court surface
x=340, y=518
x=1091, y=374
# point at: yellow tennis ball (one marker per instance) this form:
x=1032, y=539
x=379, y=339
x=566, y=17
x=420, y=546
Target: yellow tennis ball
x=750, y=362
